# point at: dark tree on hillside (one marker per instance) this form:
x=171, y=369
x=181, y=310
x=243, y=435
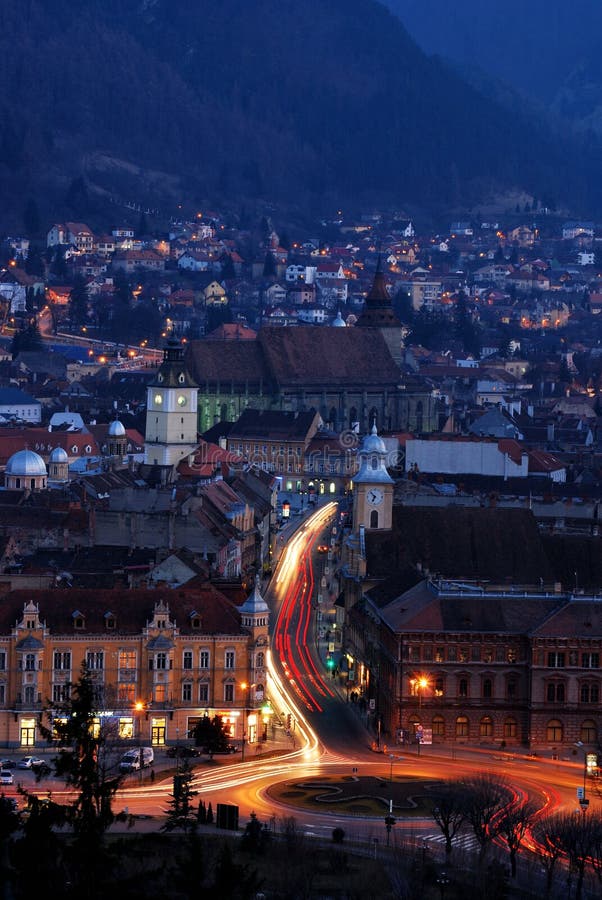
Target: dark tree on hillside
x=228, y=271
x=402, y=305
x=77, y=195
x=142, y=225
x=79, y=301
x=28, y=338
x=217, y=314
x=269, y=266
x=58, y=266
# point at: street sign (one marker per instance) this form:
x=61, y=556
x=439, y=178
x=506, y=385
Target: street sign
x=426, y=736
x=331, y=646
x=372, y=703
x=584, y=804
x=580, y=793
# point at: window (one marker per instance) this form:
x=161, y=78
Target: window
x=229, y=693
x=451, y=654
x=127, y=659
x=29, y=695
x=78, y=622
x=229, y=659
x=2, y=694
x=511, y=689
x=196, y=622
x=511, y=655
x=260, y=661
x=589, y=693
x=95, y=659
x=187, y=692
x=160, y=693
x=555, y=692
x=463, y=687
x=438, y=686
x=126, y=692
x=60, y=693
x=161, y=661
x=554, y=731
x=590, y=660
x=374, y=519
x=588, y=733
x=487, y=688
x=463, y=655
x=187, y=659
x=440, y=654
x=438, y=726
x=2, y=660
x=30, y=661
x=476, y=654
x=555, y=660
x=462, y=726
x=203, y=692
x=488, y=655
x=62, y=660
x=427, y=653
x=486, y=727
x=510, y=728
x=204, y=659
x=414, y=654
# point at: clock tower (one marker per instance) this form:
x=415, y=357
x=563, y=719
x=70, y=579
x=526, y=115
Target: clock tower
x=372, y=486
x=171, y=410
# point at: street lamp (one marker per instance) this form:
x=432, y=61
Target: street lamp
x=583, y=800
x=139, y=707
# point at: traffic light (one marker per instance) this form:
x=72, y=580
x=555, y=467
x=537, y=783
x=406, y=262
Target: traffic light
x=330, y=662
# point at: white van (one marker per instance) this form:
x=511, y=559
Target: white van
x=130, y=761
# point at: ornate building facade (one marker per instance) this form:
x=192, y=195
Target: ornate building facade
x=180, y=654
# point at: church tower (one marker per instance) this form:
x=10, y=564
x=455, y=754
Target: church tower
x=372, y=487
x=171, y=410
x=378, y=313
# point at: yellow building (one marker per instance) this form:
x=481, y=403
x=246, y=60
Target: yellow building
x=161, y=660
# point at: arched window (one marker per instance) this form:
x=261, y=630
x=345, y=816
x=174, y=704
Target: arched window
x=510, y=728
x=588, y=733
x=463, y=687
x=374, y=519
x=438, y=726
x=486, y=727
x=462, y=726
x=375, y=462
x=554, y=731
x=555, y=692
x=260, y=661
x=487, y=688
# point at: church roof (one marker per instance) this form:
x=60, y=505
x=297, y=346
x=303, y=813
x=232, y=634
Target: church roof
x=254, y=603
x=378, y=310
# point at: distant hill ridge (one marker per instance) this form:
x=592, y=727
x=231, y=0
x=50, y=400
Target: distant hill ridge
x=308, y=104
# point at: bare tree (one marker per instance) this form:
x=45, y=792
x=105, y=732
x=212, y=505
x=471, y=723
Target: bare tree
x=485, y=796
x=450, y=812
x=512, y=825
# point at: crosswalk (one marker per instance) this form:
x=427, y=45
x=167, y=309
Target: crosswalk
x=463, y=841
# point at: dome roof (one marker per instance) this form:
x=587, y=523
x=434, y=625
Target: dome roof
x=116, y=429
x=26, y=462
x=339, y=321
x=372, y=443
x=58, y=455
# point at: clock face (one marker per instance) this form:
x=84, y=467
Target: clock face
x=158, y=399
x=374, y=496
x=181, y=400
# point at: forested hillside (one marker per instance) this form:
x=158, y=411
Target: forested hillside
x=309, y=105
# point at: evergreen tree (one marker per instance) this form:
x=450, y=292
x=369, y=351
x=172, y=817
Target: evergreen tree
x=256, y=836
x=180, y=813
x=228, y=271
x=269, y=266
x=211, y=735
x=209, y=814
x=28, y=338
x=143, y=225
x=78, y=301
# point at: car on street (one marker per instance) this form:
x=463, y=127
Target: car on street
x=323, y=548
x=7, y=764
x=6, y=777
x=30, y=762
x=228, y=748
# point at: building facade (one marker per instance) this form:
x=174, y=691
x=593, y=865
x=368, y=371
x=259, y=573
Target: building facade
x=180, y=654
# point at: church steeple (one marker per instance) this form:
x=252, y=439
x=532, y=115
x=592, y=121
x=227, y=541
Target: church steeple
x=378, y=313
x=171, y=410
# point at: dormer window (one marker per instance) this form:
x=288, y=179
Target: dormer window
x=110, y=621
x=78, y=620
x=195, y=620
x=181, y=378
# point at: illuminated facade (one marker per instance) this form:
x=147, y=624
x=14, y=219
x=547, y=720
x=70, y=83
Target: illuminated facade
x=161, y=660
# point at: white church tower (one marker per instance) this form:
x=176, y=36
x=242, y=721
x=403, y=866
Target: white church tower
x=171, y=410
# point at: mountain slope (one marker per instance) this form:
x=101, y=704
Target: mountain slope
x=312, y=104
x=548, y=49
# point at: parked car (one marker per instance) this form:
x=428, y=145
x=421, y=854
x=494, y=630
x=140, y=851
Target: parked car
x=229, y=748
x=7, y=764
x=6, y=777
x=30, y=762
x=183, y=752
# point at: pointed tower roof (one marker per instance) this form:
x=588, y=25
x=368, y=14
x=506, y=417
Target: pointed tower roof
x=255, y=604
x=378, y=310
x=173, y=371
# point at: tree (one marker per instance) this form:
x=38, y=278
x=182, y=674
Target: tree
x=228, y=271
x=31, y=217
x=269, y=265
x=78, y=301
x=256, y=836
x=84, y=759
x=211, y=735
x=512, y=825
x=27, y=338
x=181, y=813
x=450, y=812
x=485, y=796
